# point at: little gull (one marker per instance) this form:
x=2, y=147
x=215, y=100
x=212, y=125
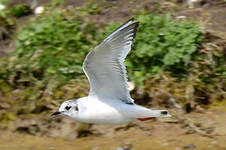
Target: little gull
x=109, y=101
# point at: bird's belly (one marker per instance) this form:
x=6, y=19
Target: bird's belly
x=105, y=120
x=104, y=114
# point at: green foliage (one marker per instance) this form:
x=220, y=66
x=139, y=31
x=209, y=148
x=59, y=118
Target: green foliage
x=20, y=10
x=90, y=8
x=5, y=17
x=54, y=46
x=166, y=42
x=55, y=3
x=4, y=2
x=161, y=44
x=51, y=46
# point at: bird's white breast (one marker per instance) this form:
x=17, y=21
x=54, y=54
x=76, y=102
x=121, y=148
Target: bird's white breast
x=96, y=111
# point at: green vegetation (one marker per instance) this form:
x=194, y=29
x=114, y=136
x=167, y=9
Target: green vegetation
x=5, y=15
x=162, y=44
x=52, y=46
x=90, y=8
x=166, y=42
x=20, y=10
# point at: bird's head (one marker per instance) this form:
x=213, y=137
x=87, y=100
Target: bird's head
x=67, y=108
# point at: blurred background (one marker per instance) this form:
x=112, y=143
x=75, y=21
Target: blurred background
x=177, y=62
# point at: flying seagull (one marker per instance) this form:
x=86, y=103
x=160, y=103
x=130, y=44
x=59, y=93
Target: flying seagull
x=109, y=101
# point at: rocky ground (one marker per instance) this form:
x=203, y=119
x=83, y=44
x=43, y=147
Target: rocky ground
x=155, y=135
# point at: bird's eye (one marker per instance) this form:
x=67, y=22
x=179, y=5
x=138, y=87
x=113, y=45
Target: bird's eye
x=76, y=108
x=68, y=107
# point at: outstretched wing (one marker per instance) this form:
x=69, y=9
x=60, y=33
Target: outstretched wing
x=104, y=65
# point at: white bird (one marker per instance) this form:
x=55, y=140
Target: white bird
x=109, y=101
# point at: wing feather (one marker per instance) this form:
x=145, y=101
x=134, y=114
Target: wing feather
x=104, y=65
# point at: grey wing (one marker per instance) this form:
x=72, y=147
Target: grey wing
x=104, y=65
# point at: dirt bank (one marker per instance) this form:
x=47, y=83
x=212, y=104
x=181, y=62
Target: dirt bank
x=155, y=135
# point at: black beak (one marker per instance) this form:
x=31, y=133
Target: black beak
x=55, y=113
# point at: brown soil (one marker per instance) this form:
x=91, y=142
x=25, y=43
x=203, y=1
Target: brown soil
x=154, y=135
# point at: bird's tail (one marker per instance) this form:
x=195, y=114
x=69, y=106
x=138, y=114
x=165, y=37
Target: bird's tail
x=154, y=114
x=160, y=113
